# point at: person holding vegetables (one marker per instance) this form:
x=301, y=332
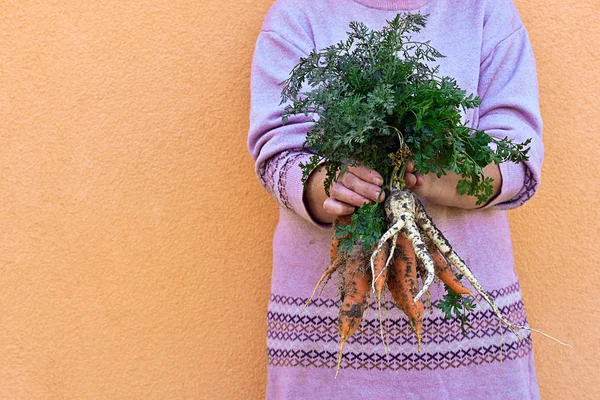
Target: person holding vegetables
x=487, y=51
x=363, y=185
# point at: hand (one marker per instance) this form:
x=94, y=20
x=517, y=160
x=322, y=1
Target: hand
x=354, y=188
x=443, y=190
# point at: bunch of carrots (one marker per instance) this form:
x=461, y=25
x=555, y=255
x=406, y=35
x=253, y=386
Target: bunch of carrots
x=401, y=278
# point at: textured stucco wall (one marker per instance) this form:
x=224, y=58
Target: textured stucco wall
x=135, y=238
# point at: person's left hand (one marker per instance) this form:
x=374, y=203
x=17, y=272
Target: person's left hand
x=443, y=190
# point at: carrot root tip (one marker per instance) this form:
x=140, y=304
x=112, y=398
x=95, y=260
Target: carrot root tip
x=339, y=360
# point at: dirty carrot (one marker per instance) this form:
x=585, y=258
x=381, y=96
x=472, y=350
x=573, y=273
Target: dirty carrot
x=335, y=241
x=335, y=261
x=380, y=271
x=325, y=277
x=444, y=272
x=355, y=295
x=403, y=285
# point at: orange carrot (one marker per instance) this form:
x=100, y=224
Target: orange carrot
x=326, y=275
x=355, y=295
x=403, y=285
x=333, y=248
x=333, y=254
x=380, y=272
x=335, y=241
x=444, y=272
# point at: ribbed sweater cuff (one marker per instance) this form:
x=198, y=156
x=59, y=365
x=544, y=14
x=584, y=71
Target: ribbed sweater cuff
x=513, y=178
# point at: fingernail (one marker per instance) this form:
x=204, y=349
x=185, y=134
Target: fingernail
x=377, y=181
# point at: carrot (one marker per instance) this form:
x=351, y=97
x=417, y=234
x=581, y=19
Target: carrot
x=333, y=248
x=444, y=272
x=380, y=271
x=355, y=294
x=403, y=285
x=333, y=255
x=325, y=277
x=446, y=275
x=335, y=241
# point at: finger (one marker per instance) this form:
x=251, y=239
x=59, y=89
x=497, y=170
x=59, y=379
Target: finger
x=357, y=185
x=421, y=188
x=336, y=207
x=367, y=174
x=349, y=196
x=410, y=166
x=420, y=179
x=410, y=180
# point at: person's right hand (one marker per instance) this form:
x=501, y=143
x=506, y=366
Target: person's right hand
x=357, y=186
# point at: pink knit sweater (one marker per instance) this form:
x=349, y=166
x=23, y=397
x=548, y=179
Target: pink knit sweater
x=488, y=52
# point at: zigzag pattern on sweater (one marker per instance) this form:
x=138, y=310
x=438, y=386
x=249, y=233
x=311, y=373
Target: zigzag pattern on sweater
x=311, y=339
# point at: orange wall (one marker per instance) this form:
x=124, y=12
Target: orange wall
x=135, y=238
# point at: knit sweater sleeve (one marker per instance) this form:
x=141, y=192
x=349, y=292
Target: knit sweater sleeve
x=510, y=105
x=277, y=148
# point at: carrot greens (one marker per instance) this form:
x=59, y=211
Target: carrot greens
x=379, y=102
